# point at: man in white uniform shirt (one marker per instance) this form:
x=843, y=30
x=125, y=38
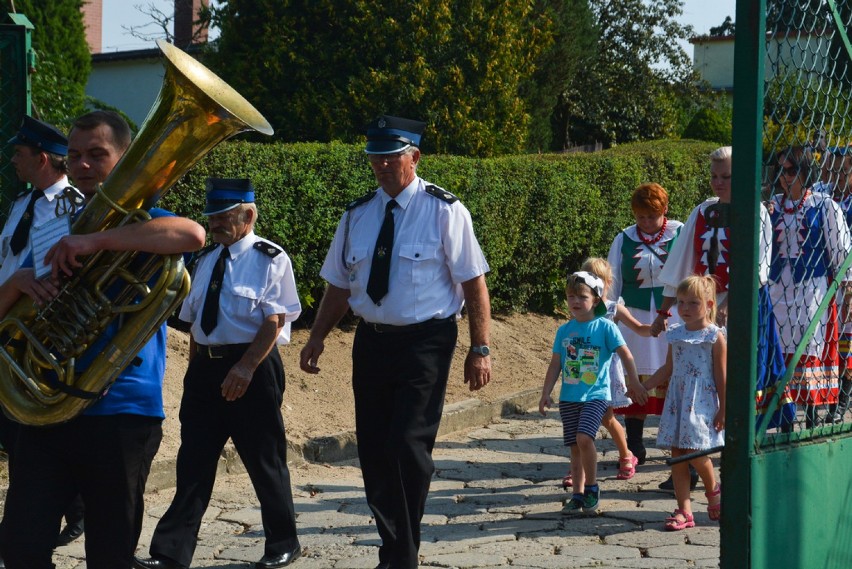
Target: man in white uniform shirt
x=405, y=259
x=242, y=301
x=40, y=159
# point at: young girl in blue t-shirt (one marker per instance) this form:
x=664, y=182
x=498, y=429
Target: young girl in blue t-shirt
x=582, y=351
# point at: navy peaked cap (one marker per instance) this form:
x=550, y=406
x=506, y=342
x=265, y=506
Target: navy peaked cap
x=391, y=135
x=224, y=194
x=41, y=135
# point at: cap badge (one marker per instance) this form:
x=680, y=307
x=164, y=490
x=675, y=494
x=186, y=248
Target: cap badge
x=382, y=123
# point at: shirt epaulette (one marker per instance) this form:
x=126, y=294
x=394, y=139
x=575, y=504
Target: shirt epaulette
x=22, y=194
x=73, y=195
x=268, y=248
x=441, y=194
x=360, y=201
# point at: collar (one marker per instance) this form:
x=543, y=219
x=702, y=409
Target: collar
x=238, y=248
x=404, y=197
x=56, y=188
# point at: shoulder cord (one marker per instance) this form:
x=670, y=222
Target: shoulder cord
x=345, y=241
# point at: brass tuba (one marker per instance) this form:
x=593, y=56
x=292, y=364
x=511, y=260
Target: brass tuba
x=39, y=349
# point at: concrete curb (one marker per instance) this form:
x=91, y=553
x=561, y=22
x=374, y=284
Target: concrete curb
x=342, y=446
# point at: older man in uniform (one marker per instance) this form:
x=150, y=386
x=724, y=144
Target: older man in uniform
x=105, y=453
x=242, y=301
x=405, y=259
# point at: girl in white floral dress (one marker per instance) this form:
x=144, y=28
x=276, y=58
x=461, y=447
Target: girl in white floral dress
x=693, y=417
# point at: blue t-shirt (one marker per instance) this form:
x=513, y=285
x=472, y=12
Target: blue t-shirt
x=138, y=390
x=585, y=350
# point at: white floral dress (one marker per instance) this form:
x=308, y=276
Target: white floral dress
x=691, y=400
x=617, y=383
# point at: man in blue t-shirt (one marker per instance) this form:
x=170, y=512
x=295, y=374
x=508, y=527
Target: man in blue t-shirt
x=105, y=454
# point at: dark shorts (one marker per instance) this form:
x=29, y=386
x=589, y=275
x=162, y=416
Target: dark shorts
x=581, y=418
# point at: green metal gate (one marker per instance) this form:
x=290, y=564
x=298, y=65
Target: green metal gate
x=16, y=60
x=787, y=497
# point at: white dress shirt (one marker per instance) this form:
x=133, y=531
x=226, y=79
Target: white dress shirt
x=45, y=210
x=434, y=251
x=255, y=287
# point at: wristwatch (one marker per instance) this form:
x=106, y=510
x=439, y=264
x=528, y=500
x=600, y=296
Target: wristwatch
x=481, y=350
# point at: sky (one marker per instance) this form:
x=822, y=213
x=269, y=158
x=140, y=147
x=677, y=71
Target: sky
x=700, y=14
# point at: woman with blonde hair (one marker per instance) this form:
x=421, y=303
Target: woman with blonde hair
x=704, y=248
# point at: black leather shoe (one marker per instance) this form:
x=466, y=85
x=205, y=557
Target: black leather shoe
x=157, y=563
x=276, y=561
x=69, y=533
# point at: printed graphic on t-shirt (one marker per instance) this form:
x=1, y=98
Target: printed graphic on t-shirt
x=581, y=361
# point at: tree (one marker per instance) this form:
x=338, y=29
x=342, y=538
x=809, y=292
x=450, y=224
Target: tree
x=321, y=69
x=711, y=125
x=572, y=46
x=161, y=24
x=640, y=84
x=727, y=28
x=63, y=62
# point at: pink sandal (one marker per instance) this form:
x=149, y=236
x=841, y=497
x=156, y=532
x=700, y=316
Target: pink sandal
x=714, y=511
x=627, y=467
x=679, y=520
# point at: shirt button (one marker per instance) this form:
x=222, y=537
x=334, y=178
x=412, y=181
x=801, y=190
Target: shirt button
x=416, y=255
x=379, y=303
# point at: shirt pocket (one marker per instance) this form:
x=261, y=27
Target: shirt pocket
x=355, y=258
x=246, y=298
x=420, y=262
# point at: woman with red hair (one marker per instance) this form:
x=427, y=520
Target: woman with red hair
x=637, y=256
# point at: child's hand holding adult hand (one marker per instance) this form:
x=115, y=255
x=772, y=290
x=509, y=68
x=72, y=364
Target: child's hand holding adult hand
x=638, y=394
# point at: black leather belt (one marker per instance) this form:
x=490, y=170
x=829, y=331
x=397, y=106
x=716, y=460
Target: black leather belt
x=391, y=329
x=221, y=351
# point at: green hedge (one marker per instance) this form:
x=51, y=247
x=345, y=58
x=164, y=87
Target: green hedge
x=537, y=216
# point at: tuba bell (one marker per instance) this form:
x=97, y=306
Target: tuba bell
x=40, y=348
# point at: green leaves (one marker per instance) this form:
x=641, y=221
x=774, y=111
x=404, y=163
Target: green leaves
x=640, y=77
x=485, y=75
x=63, y=62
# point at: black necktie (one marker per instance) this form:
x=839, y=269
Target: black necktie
x=377, y=285
x=22, y=231
x=210, y=312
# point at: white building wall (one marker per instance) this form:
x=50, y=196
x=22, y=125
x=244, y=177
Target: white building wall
x=129, y=85
x=714, y=62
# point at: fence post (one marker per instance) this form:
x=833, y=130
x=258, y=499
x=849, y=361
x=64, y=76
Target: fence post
x=742, y=299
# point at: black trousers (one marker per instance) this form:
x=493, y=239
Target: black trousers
x=255, y=425
x=399, y=380
x=9, y=438
x=107, y=460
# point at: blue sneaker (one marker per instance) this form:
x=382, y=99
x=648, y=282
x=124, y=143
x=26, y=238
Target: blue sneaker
x=574, y=505
x=591, y=499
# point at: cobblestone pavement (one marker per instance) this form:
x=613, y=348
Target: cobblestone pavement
x=495, y=501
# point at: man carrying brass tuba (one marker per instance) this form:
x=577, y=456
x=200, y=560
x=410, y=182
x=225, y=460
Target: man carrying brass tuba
x=106, y=452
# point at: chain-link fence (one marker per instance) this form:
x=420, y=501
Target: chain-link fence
x=807, y=144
